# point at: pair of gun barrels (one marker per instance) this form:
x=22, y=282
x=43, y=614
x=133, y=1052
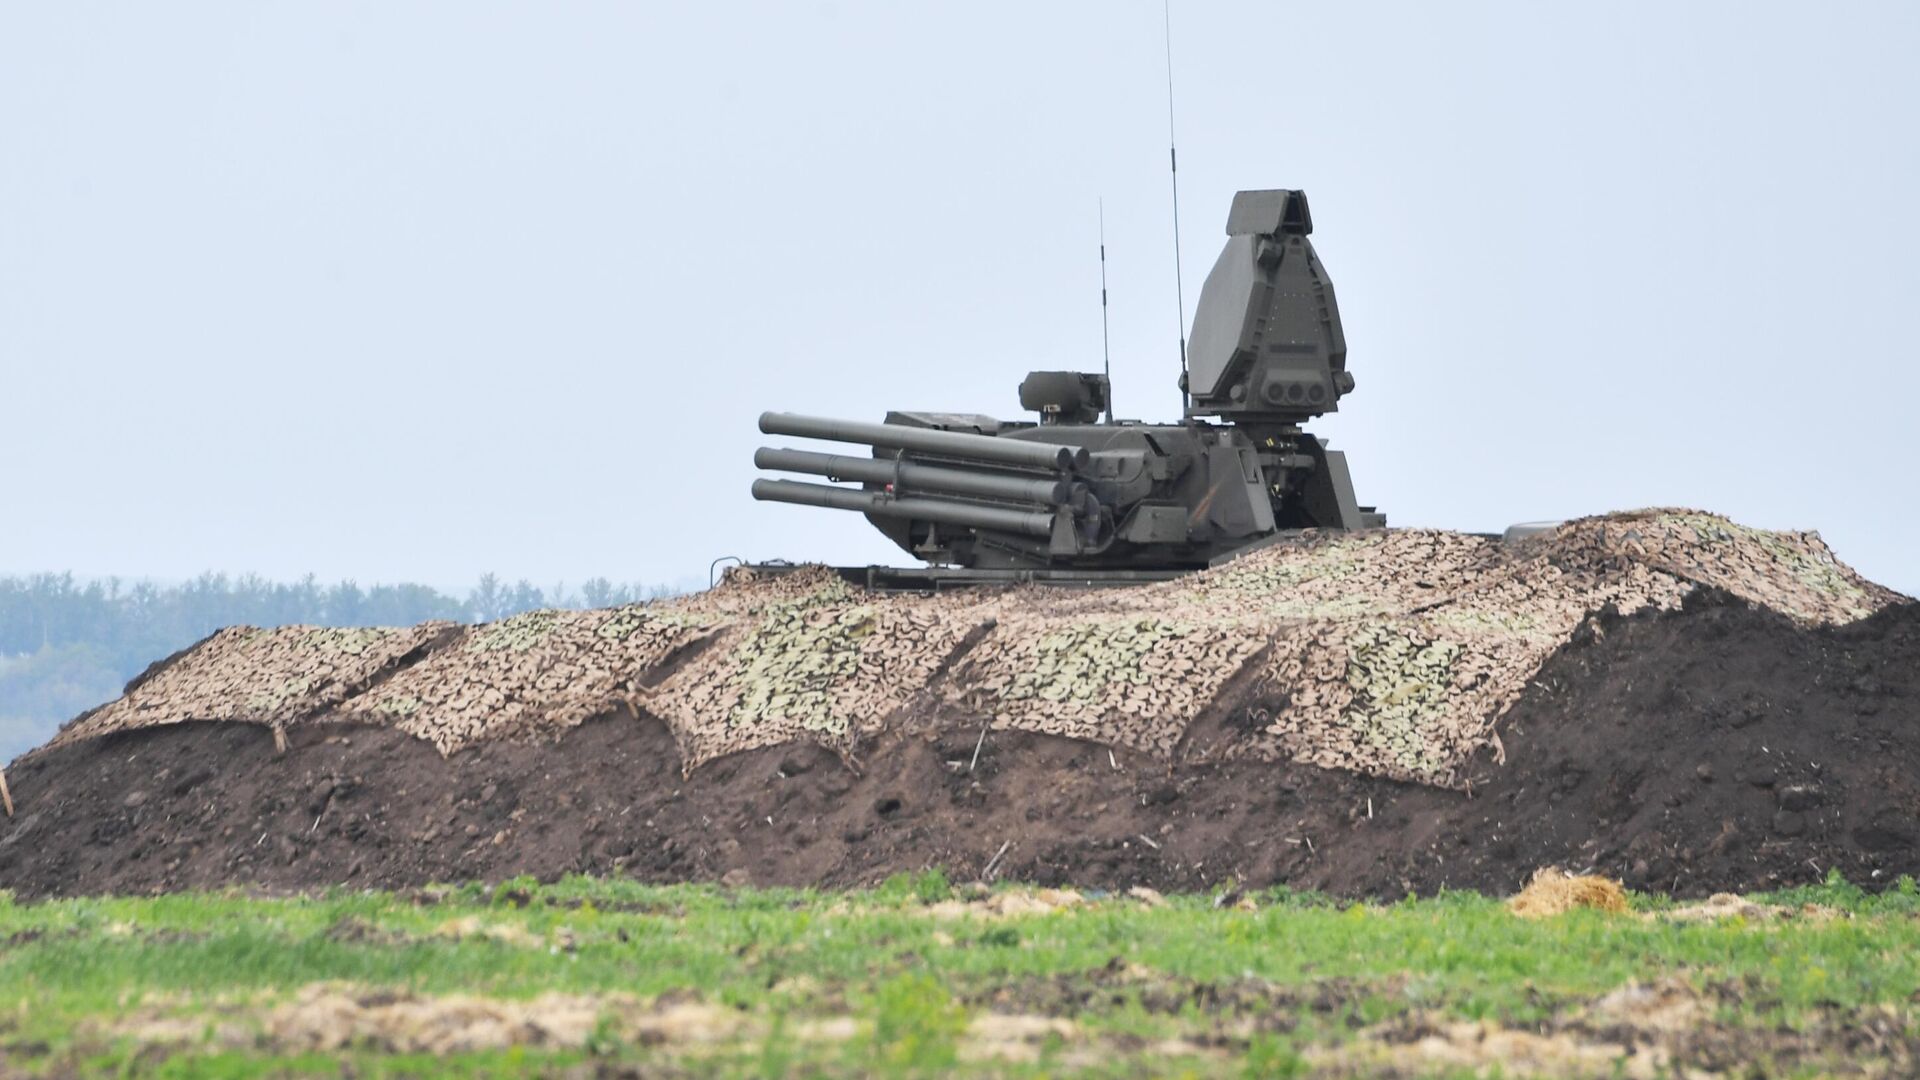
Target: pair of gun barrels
x=1058, y=491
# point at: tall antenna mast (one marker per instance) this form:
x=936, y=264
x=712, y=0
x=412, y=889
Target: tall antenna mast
x=1106, y=352
x=1173, y=163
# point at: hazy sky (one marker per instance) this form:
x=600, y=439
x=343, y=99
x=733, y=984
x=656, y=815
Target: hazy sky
x=414, y=291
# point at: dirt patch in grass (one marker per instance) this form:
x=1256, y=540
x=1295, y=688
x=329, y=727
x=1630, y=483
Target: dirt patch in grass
x=1640, y=1030
x=329, y=1017
x=1717, y=748
x=1234, y=1009
x=335, y=1017
x=1729, y=906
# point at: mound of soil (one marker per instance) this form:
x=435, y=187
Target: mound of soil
x=1720, y=747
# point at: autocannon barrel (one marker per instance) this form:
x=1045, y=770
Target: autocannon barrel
x=909, y=476
x=943, y=511
x=1031, y=455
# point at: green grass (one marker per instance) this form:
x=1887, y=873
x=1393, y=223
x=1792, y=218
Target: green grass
x=1257, y=990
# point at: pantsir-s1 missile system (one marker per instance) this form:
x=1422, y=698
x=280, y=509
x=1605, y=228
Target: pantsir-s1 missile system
x=1071, y=497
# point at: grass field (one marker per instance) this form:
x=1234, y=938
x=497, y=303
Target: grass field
x=599, y=978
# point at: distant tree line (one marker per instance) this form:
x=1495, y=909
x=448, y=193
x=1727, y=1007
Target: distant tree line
x=67, y=644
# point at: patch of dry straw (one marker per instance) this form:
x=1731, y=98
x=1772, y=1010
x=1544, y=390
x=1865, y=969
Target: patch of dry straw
x=1553, y=891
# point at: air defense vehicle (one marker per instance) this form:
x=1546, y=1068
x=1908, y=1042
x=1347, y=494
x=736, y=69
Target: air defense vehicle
x=1074, y=496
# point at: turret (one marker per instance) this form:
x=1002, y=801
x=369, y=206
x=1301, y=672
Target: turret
x=1068, y=492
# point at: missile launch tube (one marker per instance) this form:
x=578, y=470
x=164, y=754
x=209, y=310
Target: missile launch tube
x=914, y=477
x=1030, y=455
x=1030, y=522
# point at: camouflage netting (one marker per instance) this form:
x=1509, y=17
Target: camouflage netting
x=273, y=677
x=1389, y=653
x=542, y=671
x=809, y=657
x=1133, y=680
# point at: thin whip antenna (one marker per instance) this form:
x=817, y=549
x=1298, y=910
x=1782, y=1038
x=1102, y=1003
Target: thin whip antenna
x=1173, y=165
x=1106, y=352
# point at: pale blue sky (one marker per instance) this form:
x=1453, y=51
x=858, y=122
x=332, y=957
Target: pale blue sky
x=413, y=291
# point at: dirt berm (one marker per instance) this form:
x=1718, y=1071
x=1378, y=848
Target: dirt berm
x=1665, y=696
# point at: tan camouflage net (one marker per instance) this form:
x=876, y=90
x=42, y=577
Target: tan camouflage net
x=540, y=672
x=1791, y=572
x=1412, y=696
x=811, y=658
x=1389, y=653
x=272, y=677
x=1330, y=576
x=1127, y=680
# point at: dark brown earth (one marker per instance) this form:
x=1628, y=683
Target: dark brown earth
x=1717, y=748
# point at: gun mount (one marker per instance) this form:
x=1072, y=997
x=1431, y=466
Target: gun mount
x=1068, y=496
